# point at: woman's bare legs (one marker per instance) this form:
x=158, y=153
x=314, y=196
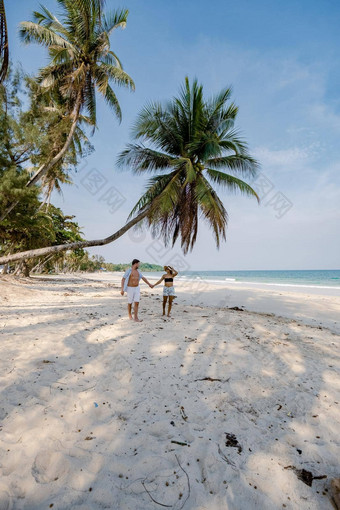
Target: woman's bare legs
x=165, y=298
x=171, y=298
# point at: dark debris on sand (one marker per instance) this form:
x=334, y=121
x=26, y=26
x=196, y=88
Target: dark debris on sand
x=231, y=440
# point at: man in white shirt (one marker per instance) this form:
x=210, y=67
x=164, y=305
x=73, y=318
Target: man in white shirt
x=130, y=285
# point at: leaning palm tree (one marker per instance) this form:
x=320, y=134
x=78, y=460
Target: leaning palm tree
x=4, y=54
x=81, y=62
x=191, y=145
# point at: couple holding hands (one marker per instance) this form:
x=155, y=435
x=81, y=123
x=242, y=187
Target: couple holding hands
x=130, y=285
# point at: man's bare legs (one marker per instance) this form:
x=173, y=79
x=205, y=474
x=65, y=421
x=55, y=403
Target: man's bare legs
x=165, y=298
x=135, y=312
x=171, y=298
x=130, y=311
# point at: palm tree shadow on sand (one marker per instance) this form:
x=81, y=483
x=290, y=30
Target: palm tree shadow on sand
x=196, y=412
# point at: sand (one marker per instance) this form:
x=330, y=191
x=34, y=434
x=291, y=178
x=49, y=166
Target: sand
x=212, y=409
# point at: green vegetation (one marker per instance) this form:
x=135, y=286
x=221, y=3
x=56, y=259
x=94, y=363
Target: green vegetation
x=82, y=261
x=30, y=134
x=144, y=266
x=26, y=136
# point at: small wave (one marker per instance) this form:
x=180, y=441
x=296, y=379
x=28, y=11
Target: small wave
x=271, y=284
x=292, y=285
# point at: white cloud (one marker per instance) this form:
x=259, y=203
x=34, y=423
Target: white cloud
x=283, y=157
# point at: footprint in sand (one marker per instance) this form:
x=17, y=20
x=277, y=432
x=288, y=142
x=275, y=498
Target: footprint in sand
x=49, y=466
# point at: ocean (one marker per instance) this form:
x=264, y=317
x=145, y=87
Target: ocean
x=317, y=281
x=321, y=278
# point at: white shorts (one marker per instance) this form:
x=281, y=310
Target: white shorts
x=133, y=294
x=168, y=291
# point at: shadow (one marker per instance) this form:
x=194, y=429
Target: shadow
x=100, y=412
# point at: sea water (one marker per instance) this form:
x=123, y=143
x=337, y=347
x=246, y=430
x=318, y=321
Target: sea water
x=322, y=278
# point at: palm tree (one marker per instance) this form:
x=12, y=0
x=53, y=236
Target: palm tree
x=4, y=54
x=192, y=146
x=81, y=62
x=192, y=141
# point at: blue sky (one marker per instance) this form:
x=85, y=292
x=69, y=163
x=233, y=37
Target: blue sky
x=282, y=60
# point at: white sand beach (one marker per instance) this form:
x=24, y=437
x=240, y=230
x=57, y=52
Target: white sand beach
x=213, y=409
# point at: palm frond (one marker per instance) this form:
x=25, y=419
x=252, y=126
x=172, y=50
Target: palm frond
x=187, y=109
x=156, y=125
x=241, y=163
x=155, y=188
x=212, y=208
x=33, y=32
x=90, y=101
x=230, y=140
x=112, y=101
x=112, y=59
x=231, y=182
x=140, y=159
x=114, y=20
x=50, y=21
x=117, y=75
x=205, y=145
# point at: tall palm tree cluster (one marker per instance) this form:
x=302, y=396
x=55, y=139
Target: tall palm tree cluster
x=189, y=144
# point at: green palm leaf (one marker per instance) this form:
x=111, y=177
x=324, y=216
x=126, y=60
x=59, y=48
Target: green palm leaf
x=33, y=32
x=231, y=182
x=114, y=20
x=140, y=159
x=112, y=101
x=238, y=162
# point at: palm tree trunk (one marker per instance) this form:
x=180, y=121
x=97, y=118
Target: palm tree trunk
x=47, y=166
x=31, y=254
x=4, y=54
x=25, y=269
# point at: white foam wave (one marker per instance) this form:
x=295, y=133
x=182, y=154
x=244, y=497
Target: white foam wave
x=271, y=284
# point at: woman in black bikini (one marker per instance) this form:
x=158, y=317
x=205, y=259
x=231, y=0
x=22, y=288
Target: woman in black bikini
x=169, y=289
